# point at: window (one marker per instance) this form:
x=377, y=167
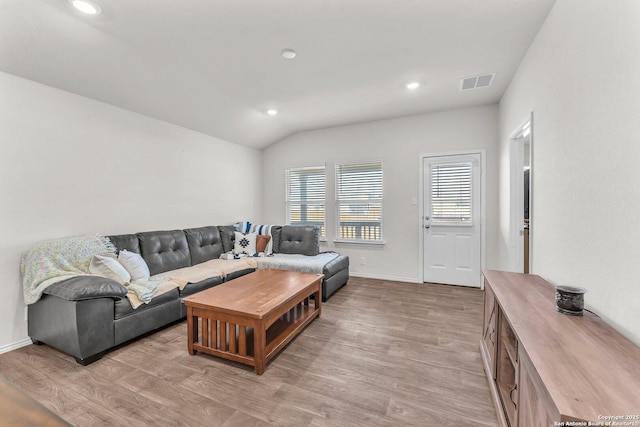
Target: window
x=305, y=191
x=359, y=201
x=451, y=193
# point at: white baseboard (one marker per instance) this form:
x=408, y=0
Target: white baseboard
x=383, y=277
x=9, y=347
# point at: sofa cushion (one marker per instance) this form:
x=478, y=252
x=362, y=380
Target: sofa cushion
x=123, y=307
x=135, y=265
x=164, y=250
x=204, y=243
x=337, y=264
x=300, y=239
x=239, y=273
x=127, y=242
x=192, y=288
x=264, y=230
x=261, y=242
x=245, y=243
x=227, y=235
x=86, y=287
x=297, y=262
x=109, y=268
x=276, y=234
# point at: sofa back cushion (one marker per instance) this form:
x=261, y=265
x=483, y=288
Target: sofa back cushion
x=228, y=237
x=127, y=242
x=276, y=234
x=164, y=250
x=204, y=244
x=300, y=239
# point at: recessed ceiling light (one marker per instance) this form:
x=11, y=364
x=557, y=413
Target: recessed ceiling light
x=85, y=6
x=413, y=85
x=288, y=53
x=272, y=112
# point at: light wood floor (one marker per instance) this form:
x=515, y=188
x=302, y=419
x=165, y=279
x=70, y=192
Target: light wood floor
x=382, y=354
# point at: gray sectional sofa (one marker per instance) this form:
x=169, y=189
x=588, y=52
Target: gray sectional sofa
x=86, y=316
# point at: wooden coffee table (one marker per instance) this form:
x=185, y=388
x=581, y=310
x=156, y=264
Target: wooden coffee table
x=251, y=318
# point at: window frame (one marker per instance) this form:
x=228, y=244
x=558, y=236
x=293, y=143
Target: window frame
x=370, y=200
x=289, y=202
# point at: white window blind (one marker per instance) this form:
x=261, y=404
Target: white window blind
x=359, y=201
x=305, y=196
x=451, y=193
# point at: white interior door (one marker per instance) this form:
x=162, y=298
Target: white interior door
x=451, y=221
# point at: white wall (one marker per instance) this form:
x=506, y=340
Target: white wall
x=70, y=165
x=580, y=79
x=398, y=143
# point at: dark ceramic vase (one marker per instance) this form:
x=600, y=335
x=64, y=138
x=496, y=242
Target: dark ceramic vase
x=570, y=300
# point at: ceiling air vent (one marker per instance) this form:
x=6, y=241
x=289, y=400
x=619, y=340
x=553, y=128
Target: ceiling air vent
x=483, y=80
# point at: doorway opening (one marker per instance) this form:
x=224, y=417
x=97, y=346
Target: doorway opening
x=521, y=206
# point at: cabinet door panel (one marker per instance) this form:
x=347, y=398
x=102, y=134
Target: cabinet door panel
x=507, y=367
x=489, y=330
x=531, y=408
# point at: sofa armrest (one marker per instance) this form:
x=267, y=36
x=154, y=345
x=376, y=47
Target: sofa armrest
x=86, y=287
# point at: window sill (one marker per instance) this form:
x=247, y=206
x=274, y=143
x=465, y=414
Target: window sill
x=360, y=242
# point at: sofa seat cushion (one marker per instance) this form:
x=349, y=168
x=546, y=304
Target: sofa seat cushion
x=123, y=307
x=302, y=263
x=238, y=273
x=192, y=288
x=206, y=270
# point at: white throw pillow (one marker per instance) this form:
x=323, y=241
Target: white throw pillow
x=109, y=268
x=135, y=265
x=245, y=243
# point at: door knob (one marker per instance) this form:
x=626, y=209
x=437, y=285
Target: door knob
x=427, y=226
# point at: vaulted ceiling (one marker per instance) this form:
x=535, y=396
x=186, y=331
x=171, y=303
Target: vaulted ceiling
x=215, y=66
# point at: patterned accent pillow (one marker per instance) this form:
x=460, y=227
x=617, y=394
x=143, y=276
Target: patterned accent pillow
x=245, y=243
x=109, y=268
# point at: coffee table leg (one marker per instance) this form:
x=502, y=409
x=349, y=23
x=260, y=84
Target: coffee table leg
x=192, y=330
x=317, y=299
x=259, y=343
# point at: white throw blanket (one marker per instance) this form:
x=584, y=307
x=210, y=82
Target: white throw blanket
x=56, y=260
x=200, y=272
x=294, y=262
x=180, y=277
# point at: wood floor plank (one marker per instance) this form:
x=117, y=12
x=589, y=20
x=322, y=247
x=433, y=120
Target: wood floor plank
x=177, y=397
x=240, y=419
x=421, y=414
x=382, y=354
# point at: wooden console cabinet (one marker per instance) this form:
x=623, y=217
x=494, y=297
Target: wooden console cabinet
x=549, y=369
